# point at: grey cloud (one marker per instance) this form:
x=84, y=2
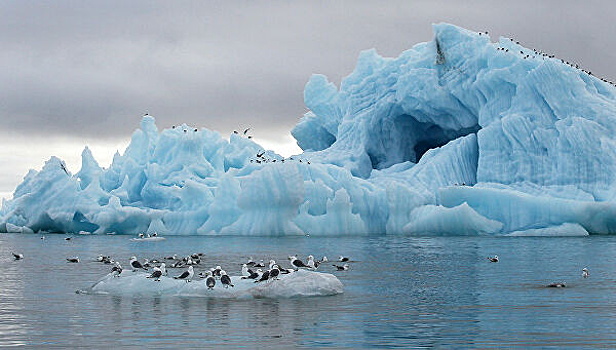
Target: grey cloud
x=89, y=68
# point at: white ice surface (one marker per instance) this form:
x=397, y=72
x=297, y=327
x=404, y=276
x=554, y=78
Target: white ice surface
x=297, y=284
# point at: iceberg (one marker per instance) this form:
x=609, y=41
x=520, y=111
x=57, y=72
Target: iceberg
x=301, y=283
x=456, y=136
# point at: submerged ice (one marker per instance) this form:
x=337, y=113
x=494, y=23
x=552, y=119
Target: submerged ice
x=459, y=135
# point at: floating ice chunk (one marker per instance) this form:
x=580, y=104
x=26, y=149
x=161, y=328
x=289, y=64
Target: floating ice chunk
x=301, y=283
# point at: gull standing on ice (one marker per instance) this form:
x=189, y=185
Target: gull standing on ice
x=210, y=281
x=274, y=272
x=252, y=274
x=264, y=276
x=225, y=279
x=186, y=275
x=310, y=263
x=245, y=270
x=135, y=264
x=116, y=270
x=156, y=274
x=296, y=263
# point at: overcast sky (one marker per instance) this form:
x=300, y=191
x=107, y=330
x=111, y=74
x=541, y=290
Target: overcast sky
x=77, y=73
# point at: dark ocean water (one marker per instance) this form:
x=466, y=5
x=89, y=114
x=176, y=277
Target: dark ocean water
x=400, y=292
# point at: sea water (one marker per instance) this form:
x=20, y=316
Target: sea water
x=400, y=292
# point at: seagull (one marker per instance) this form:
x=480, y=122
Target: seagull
x=186, y=275
x=493, y=258
x=225, y=279
x=310, y=262
x=163, y=269
x=136, y=264
x=342, y=268
x=585, y=272
x=296, y=263
x=264, y=277
x=156, y=274
x=252, y=274
x=210, y=281
x=245, y=270
x=73, y=260
x=116, y=270
x=274, y=272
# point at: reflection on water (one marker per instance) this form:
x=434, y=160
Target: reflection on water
x=400, y=292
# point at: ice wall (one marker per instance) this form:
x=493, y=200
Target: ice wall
x=459, y=135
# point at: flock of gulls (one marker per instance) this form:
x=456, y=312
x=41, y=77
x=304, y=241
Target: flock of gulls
x=252, y=270
x=260, y=158
x=535, y=54
x=256, y=271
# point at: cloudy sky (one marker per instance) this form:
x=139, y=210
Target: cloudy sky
x=77, y=73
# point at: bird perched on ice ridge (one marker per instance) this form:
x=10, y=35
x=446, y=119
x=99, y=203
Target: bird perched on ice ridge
x=245, y=270
x=156, y=274
x=210, y=281
x=186, y=275
x=296, y=263
x=225, y=279
x=135, y=264
x=252, y=274
x=116, y=270
x=264, y=276
x=274, y=272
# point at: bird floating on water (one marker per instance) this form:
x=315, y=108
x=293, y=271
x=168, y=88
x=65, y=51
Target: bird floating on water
x=493, y=259
x=342, y=268
x=585, y=272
